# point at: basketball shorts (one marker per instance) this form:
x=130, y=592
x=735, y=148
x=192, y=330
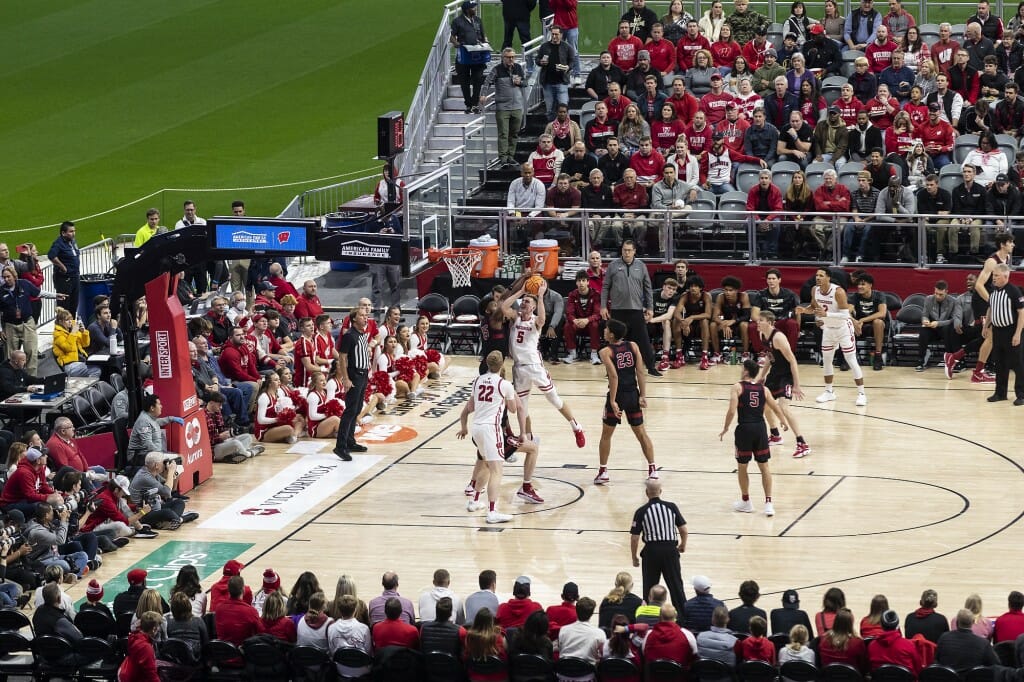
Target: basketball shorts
x=838, y=337
x=489, y=441
x=781, y=386
x=629, y=403
x=525, y=377
x=752, y=443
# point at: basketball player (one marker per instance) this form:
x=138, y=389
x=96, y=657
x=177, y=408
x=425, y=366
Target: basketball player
x=979, y=303
x=491, y=395
x=832, y=313
x=527, y=366
x=627, y=386
x=731, y=314
x=748, y=398
x=693, y=313
x=782, y=378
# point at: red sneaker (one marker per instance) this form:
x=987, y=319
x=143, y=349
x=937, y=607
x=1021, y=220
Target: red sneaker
x=775, y=440
x=802, y=450
x=679, y=360
x=581, y=440
x=705, y=363
x=982, y=377
x=530, y=495
x=949, y=362
x=663, y=365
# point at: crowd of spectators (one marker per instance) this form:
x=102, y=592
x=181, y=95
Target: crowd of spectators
x=714, y=93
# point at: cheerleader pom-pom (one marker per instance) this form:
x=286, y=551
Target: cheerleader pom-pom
x=300, y=402
x=380, y=382
x=286, y=416
x=406, y=368
x=421, y=365
x=433, y=356
x=333, y=408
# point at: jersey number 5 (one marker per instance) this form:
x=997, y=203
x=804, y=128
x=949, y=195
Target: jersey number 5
x=755, y=399
x=519, y=336
x=485, y=394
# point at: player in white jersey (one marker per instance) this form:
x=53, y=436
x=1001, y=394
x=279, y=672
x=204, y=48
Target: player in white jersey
x=491, y=396
x=832, y=313
x=527, y=365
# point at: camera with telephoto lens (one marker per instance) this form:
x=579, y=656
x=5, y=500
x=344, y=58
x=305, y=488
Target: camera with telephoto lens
x=152, y=498
x=59, y=508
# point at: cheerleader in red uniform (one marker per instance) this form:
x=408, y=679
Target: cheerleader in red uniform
x=275, y=420
x=437, y=363
x=392, y=320
x=399, y=368
x=320, y=424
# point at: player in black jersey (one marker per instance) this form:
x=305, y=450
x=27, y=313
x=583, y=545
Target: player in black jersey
x=731, y=314
x=493, y=326
x=748, y=399
x=665, y=301
x=693, y=314
x=781, y=376
x=627, y=389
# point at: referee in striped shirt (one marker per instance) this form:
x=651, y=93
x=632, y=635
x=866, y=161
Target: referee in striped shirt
x=354, y=356
x=664, y=532
x=1006, y=321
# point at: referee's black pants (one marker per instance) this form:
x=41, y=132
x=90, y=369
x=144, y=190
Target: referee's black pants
x=636, y=330
x=353, y=405
x=1006, y=356
x=661, y=559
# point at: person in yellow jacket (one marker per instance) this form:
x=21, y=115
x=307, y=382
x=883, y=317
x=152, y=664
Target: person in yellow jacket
x=150, y=229
x=69, y=343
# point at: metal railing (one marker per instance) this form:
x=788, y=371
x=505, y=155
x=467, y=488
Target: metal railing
x=317, y=202
x=711, y=234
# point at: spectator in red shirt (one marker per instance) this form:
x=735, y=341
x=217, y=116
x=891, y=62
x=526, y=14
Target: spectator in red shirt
x=616, y=103
x=282, y=287
x=564, y=613
x=308, y=303
x=220, y=591
x=237, y=621
x=237, y=360
x=624, y=48
x=666, y=640
x=689, y=44
x=629, y=196
x=663, y=52
x=893, y=648
x=513, y=613
x=392, y=631
x=27, y=485
x=1011, y=623
x=756, y=647
x=879, y=52
x=685, y=104
x=63, y=451
x=140, y=663
x=582, y=316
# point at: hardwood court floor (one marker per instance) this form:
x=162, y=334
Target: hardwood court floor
x=920, y=489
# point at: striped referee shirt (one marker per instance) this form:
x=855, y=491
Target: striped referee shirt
x=657, y=521
x=1004, y=305
x=356, y=345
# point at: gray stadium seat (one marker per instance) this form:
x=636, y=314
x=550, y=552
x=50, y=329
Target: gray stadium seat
x=950, y=176
x=782, y=173
x=732, y=210
x=746, y=176
x=929, y=33
x=963, y=145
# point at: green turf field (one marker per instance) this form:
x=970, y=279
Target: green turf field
x=106, y=101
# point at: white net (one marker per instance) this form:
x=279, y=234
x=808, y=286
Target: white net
x=461, y=264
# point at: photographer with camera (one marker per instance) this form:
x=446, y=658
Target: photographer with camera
x=47, y=533
x=81, y=505
x=153, y=484
x=147, y=432
x=17, y=569
x=12, y=549
x=113, y=518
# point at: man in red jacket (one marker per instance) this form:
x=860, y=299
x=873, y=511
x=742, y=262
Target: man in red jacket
x=393, y=631
x=687, y=46
x=219, y=590
x=624, y=48
x=282, y=287
x=237, y=360
x=63, y=451
x=893, y=648
x=27, y=486
x=237, y=621
x=667, y=640
x=764, y=202
x=308, y=303
x=564, y=613
x=582, y=316
x=1011, y=624
x=140, y=662
x=513, y=613
x=937, y=135
x=629, y=196
x=830, y=197
x=685, y=104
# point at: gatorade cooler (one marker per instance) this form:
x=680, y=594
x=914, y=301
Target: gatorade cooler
x=488, y=263
x=544, y=257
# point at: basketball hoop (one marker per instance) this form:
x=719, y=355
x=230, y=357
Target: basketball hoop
x=460, y=263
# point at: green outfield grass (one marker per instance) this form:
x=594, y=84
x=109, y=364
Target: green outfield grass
x=107, y=101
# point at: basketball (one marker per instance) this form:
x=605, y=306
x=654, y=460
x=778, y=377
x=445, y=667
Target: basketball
x=533, y=284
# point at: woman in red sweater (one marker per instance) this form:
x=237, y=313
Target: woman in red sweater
x=756, y=647
x=140, y=663
x=871, y=624
x=840, y=645
x=833, y=600
x=276, y=620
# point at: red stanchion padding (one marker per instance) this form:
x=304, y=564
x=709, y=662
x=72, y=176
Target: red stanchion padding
x=172, y=381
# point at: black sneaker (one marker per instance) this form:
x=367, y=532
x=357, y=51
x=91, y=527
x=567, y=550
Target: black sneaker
x=121, y=542
x=342, y=455
x=143, y=534
x=877, y=364
x=189, y=517
x=23, y=599
x=653, y=372
x=356, y=447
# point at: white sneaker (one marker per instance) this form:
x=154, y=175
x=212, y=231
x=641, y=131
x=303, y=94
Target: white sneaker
x=569, y=359
x=498, y=517
x=652, y=475
x=474, y=505
x=769, y=509
x=844, y=260
x=602, y=478
x=745, y=506
x=367, y=419
x=826, y=396
x=862, y=399
x=594, y=358
x=512, y=459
